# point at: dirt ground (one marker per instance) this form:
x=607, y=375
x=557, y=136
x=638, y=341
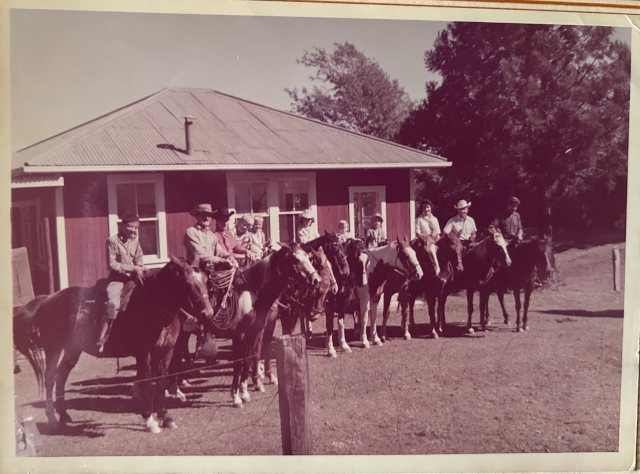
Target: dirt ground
x=555, y=388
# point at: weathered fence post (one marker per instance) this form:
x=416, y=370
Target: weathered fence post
x=615, y=258
x=293, y=392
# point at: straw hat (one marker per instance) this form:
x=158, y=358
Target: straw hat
x=307, y=214
x=462, y=204
x=201, y=209
x=377, y=215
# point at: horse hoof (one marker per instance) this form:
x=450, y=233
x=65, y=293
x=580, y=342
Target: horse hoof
x=519, y=329
x=346, y=348
x=237, y=404
x=65, y=418
x=469, y=330
x=332, y=354
x=377, y=342
x=273, y=379
x=407, y=337
x=366, y=345
x=260, y=388
x=526, y=328
x=383, y=339
x=245, y=397
x=435, y=335
x=152, y=426
x=169, y=423
x=488, y=322
x=507, y=322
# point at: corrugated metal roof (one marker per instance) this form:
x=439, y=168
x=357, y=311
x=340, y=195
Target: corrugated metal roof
x=228, y=132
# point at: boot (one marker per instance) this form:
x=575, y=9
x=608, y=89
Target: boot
x=102, y=339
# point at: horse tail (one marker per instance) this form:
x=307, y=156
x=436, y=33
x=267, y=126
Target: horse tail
x=25, y=336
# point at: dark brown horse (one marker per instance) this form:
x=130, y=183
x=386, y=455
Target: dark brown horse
x=479, y=263
x=399, y=282
x=257, y=291
x=66, y=322
x=529, y=260
x=434, y=288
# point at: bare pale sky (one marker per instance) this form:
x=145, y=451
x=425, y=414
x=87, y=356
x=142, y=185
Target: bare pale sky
x=69, y=67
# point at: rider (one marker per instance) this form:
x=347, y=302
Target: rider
x=509, y=223
x=200, y=241
x=427, y=223
x=463, y=224
x=307, y=231
x=124, y=259
x=343, y=233
x=258, y=238
x=376, y=236
x=226, y=238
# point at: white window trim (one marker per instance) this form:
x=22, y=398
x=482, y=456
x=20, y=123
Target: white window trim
x=412, y=203
x=383, y=205
x=272, y=179
x=158, y=180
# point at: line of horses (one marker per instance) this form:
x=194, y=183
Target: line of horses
x=294, y=283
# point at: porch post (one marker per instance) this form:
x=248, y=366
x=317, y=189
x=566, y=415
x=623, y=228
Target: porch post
x=412, y=203
x=61, y=239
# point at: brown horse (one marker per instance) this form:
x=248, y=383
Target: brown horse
x=399, y=282
x=66, y=322
x=530, y=259
x=479, y=263
x=434, y=288
x=305, y=304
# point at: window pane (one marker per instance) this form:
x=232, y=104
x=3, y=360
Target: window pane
x=293, y=195
x=126, y=195
x=365, y=204
x=259, y=197
x=287, y=228
x=148, y=235
x=146, y=194
x=243, y=197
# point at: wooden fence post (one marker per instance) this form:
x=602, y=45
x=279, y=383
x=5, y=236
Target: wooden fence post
x=293, y=392
x=615, y=258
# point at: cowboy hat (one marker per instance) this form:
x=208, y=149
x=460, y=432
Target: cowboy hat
x=377, y=215
x=462, y=204
x=201, y=209
x=307, y=214
x=222, y=212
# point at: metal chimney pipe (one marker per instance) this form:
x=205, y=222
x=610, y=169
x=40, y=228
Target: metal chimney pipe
x=188, y=121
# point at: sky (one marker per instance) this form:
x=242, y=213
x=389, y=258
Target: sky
x=70, y=67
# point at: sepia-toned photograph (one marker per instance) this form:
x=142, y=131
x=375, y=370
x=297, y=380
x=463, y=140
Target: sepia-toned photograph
x=263, y=235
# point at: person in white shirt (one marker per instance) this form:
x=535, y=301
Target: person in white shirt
x=463, y=224
x=427, y=223
x=307, y=231
x=343, y=233
x=376, y=236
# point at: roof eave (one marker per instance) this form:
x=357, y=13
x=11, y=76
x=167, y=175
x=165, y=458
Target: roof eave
x=234, y=167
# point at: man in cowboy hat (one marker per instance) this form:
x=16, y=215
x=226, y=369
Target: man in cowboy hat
x=376, y=236
x=307, y=231
x=200, y=241
x=463, y=224
x=226, y=238
x=509, y=223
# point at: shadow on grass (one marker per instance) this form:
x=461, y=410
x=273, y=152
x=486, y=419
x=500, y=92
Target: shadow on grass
x=583, y=313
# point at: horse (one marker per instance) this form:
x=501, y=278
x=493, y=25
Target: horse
x=308, y=304
x=396, y=256
x=435, y=288
x=65, y=322
x=530, y=259
x=479, y=263
x=341, y=302
x=424, y=246
x=257, y=290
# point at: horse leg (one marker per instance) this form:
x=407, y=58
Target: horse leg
x=408, y=320
x=237, y=369
x=487, y=315
x=363, y=314
x=403, y=299
x=331, y=352
x=373, y=315
x=386, y=303
x=500, y=294
x=257, y=355
x=266, y=350
x=527, y=297
x=469, y=310
x=341, y=332
x=164, y=361
x=142, y=389
x=516, y=297
x=484, y=303
x=52, y=357
x=431, y=304
x=69, y=361
x=246, y=366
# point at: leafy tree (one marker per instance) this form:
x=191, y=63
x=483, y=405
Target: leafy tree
x=355, y=93
x=540, y=111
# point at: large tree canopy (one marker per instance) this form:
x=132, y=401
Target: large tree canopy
x=540, y=111
x=355, y=93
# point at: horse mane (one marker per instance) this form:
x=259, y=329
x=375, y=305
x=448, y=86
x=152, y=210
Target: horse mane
x=315, y=244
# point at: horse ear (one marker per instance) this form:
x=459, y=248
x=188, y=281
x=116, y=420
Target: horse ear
x=398, y=240
x=320, y=251
x=176, y=260
x=284, y=245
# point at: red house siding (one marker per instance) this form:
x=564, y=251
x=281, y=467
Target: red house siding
x=86, y=227
x=332, y=190
x=182, y=191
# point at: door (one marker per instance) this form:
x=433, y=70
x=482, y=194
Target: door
x=364, y=202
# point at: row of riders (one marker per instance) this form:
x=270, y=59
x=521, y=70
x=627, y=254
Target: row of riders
x=332, y=274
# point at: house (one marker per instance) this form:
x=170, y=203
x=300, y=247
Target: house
x=159, y=156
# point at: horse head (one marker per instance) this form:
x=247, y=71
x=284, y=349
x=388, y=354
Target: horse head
x=295, y=265
x=337, y=256
x=408, y=259
x=194, y=282
x=424, y=246
x=452, y=249
x=501, y=247
x=358, y=260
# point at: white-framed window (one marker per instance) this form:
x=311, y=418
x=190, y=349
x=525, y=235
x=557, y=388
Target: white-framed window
x=287, y=195
x=364, y=202
x=143, y=195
